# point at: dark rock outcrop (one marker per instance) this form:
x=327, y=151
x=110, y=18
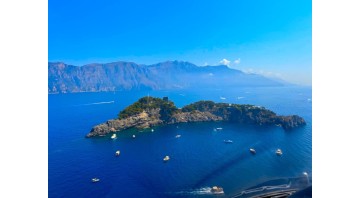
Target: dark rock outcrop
x=289, y=122
x=142, y=120
x=149, y=112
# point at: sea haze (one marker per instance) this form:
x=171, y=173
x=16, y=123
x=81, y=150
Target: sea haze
x=199, y=159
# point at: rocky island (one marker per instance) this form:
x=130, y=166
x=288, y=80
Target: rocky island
x=149, y=111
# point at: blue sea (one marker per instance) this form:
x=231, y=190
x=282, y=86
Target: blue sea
x=199, y=159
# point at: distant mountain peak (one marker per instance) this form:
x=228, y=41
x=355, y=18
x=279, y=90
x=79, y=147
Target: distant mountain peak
x=182, y=65
x=175, y=62
x=121, y=75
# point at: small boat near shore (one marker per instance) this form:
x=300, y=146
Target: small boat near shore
x=117, y=153
x=94, y=180
x=133, y=136
x=166, y=158
x=228, y=141
x=113, y=136
x=217, y=190
x=278, y=152
x=252, y=151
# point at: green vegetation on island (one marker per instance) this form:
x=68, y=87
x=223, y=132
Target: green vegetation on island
x=167, y=108
x=151, y=111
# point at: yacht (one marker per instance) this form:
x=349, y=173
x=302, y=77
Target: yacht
x=166, y=158
x=177, y=136
x=117, y=153
x=95, y=180
x=278, y=152
x=228, y=141
x=113, y=136
x=217, y=190
x=252, y=151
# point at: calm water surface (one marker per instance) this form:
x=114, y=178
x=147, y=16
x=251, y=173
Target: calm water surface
x=199, y=158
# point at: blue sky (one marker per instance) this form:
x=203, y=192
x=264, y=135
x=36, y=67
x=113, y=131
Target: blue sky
x=272, y=38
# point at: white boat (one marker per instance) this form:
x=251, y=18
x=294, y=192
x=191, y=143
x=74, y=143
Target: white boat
x=219, y=128
x=222, y=98
x=252, y=151
x=228, y=141
x=278, y=152
x=152, y=130
x=217, y=190
x=133, y=136
x=95, y=180
x=117, y=153
x=166, y=158
x=177, y=136
x=113, y=136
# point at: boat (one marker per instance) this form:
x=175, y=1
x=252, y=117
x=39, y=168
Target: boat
x=252, y=151
x=117, y=153
x=219, y=128
x=133, y=136
x=217, y=190
x=177, y=136
x=222, y=98
x=152, y=130
x=278, y=152
x=113, y=136
x=166, y=158
x=228, y=141
x=95, y=180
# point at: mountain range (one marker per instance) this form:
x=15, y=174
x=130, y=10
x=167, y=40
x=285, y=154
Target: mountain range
x=116, y=76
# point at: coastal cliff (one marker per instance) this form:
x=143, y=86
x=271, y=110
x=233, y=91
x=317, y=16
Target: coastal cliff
x=148, y=112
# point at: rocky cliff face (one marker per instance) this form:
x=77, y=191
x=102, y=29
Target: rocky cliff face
x=145, y=119
x=64, y=78
x=150, y=118
x=194, y=116
x=149, y=112
x=289, y=122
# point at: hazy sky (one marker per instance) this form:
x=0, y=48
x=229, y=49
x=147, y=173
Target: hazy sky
x=270, y=37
